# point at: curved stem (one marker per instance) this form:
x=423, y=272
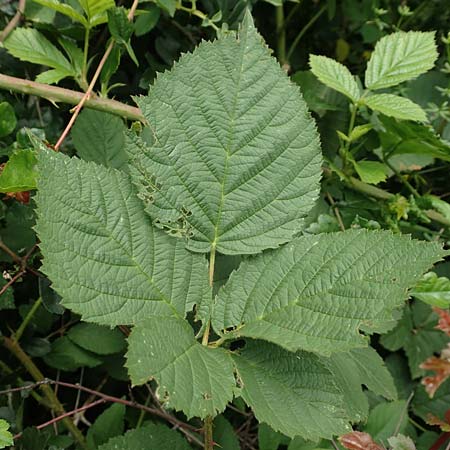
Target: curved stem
x=281, y=34
x=14, y=21
x=28, y=317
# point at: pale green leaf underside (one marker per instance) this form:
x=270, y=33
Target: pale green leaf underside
x=294, y=393
x=236, y=159
x=355, y=368
x=28, y=44
x=148, y=437
x=335, y=75
x=65, y=9
x=317, y=291
x=396, y=106
x=192, y=378
x=400, y=57
x=101, y=252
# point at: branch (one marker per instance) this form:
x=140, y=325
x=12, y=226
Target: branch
x=56, y=94
x=14, y=21
x=96, y=76
x=15, y=348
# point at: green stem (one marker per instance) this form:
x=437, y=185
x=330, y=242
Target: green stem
x=304, y=30
x=18, y=334
x=344, y=150
x=281, y=34
x=56, y=94
x=85, y=56
x=14, y=347
x=402, y=179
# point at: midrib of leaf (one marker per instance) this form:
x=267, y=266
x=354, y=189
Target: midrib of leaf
x=227, y=150
x=109, y=234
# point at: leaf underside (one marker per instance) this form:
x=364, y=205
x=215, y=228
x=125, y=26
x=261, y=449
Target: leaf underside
x=317, y=291
x=192, y=377
x=235, y=162
x=293, y=392
x=101, y=252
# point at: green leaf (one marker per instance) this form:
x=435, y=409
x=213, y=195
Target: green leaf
x=28, y=44
x=148, y=437
x=147, y=21
x=6, y=438
x=401, y=442
x=107, y=425
x=168, y=5
x=359, y=131
x=94, y=9
x=387, y=419
x=410, y=137
x=7, y=298
x=99, y=137
x=235, y=163
x=65, y=9
x=294, y=393
x=51, y=76
x=224, y=434
x=355, y=368
x=335, y=75
x=318, y=291
x=119, y=26
x=8, y=119
x=19, y=173
x=399, y=57
x=396, y=106
x=192, y=378
x=67, y=356
x=423, y=405
x=97, y=339
x=269, y=439
x=105, y=259
x=433, y=290
x=372, y=172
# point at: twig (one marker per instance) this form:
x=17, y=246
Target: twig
x=56, y=94
x=90, y=89
x=14, y=347
x=67, y=414
x=336, y=211
x=11, y=281
x=16, y=258
x=14, y=21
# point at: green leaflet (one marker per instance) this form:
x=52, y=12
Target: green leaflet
x=399, y=57
x=192, y=377
x=100, y=251
x=357, y=367
x=294, y=393
x=99, y=137
x=148, y=437
x=235, y=163
x=335, y=75
x=316, y=292
x=433, y=290
x=396, y=106
x=19, y=173
x=28, y=44
x=6, y=437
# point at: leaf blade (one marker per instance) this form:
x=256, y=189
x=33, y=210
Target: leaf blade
x=100, y=251
x=400, y=57
x=396, y=106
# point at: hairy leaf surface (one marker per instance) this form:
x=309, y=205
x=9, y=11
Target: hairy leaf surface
x=101, y=252
x=235, y=162
x=318, y=291
x=399, y=57
x=292, y=392
x=192, y=377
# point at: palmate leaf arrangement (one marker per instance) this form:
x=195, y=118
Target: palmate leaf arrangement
x=230, y=164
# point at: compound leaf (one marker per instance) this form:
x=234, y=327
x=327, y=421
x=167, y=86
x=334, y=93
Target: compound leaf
x=192, y=377
x=100, y=250
x=294, y=393
x=399, y=57
x=317, y=291
x=149, y=437
x=335, y=75
x=235, y=162
x=396, y=106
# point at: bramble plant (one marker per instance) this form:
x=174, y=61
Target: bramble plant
x=226, y=170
